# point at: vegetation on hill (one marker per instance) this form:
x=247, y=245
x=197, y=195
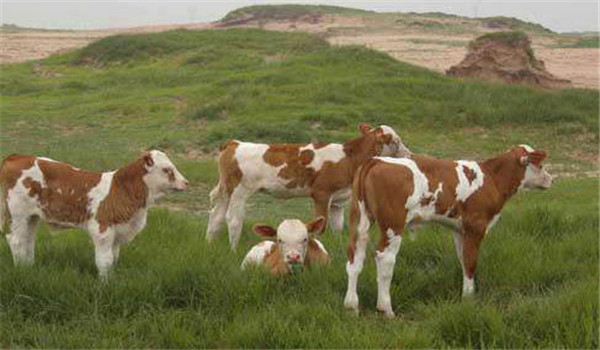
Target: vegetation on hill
x=427, y=20
x=288, y=12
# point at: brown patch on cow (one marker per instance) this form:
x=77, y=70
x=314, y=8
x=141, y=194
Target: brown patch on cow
x=127, y=195
x=426, y=200
x=470, y=174
x=273, y=261
x=64, y=198
x=295, y=164
x=229, y=169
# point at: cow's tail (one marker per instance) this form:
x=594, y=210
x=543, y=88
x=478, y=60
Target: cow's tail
x=220, y=190
x=358, y=207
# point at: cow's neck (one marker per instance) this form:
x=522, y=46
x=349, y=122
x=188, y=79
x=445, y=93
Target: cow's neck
x=506, y=173
x=129, y=182
x=358, y=151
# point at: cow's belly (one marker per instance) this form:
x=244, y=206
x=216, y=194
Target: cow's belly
x=286, y=192
x=342, y=196
x=419, y=217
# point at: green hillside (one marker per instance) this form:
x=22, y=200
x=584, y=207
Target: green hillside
x=186, y=92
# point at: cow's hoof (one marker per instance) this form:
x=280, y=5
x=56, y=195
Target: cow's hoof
x=388, y=313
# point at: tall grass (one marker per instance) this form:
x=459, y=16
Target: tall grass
x=537, y=287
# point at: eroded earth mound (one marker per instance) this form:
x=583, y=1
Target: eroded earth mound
x=507, y=57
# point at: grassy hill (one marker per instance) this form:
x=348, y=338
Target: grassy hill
x=188, y=91
x=429, y=21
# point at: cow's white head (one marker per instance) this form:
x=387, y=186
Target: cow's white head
x=162, y=176
x=292, y=238
x=392, y=145
x=536, y=177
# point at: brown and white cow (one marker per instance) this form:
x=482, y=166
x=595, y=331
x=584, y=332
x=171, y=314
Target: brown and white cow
x=111, y=206
x=321, y=171
x=466, y=196
x=293, y=249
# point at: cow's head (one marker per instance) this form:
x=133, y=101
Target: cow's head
x=162, y=176
x=292, y=238
x=536, y=177
x=391, y=143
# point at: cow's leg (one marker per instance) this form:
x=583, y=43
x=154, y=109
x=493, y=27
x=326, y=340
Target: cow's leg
x=359, y=237
x=385, y=259
x=321, y=202
x=116, y=250
x=470, y=252
x=235, y=214
x=336, y=216
x=22, y=239
x=220, y=201
x=458, y=245
x=104, y=243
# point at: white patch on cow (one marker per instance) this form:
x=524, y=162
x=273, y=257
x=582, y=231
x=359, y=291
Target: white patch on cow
x=468, y=286
x=292, y=237
x=353, y=269
x=258, y=174
x=465, y=188
x=333, y=152
x=321, y=246
x=158, y=181
x=527, y=148
x=257, y=254
x=385, y=262
x=492, y=223
x=414, y=209
x=20, y=203
x=100, y=191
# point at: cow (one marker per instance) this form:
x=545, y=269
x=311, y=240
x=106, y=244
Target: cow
x=466, y=196
x=322, y=171
x=292, y=250
x=111, y=206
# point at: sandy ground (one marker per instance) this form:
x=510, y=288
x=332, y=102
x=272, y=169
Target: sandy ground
x=434, y=51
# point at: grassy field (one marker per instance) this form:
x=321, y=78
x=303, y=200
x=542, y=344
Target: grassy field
x=186, y=92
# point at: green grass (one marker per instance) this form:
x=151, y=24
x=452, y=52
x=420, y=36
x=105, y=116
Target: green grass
x=186, y=92
x=591, y=42
x=538, y=287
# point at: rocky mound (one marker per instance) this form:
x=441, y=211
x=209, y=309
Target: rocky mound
x=507, y=57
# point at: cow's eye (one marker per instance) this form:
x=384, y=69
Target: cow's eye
x=279, y=241
x=306, y=240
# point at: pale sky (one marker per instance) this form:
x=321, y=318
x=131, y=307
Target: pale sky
x=560, y=16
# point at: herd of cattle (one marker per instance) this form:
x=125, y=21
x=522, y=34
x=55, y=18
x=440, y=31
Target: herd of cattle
x=385, y=183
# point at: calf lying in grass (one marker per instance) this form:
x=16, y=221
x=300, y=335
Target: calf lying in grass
x=465, y=196
x=293, y=249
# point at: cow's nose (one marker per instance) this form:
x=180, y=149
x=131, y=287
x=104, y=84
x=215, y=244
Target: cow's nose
x=294, y=257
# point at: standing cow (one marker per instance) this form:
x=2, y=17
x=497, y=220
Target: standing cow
x=111, y=206
x=466, y=196
x=322, y=171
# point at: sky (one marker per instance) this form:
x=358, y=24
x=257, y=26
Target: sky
x=560, y=16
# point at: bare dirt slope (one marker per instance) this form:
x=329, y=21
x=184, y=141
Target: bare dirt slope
x=434, y=41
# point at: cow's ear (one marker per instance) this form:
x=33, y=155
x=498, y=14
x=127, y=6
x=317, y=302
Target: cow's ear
x=264, y=230
x=148, y=159
x=364, y=128
x=316, y=225
x=536, y=157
